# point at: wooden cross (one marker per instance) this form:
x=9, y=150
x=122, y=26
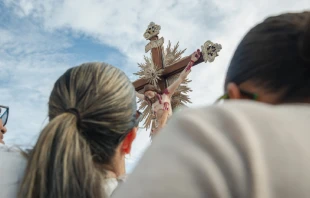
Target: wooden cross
x=163, y=68
x=208, y=53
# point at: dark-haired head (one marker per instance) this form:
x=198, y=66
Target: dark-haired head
x=92, y=112
x=272, y=62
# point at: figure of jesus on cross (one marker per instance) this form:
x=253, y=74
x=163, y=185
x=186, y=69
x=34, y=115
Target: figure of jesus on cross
x=161, y=101
x=161, y=78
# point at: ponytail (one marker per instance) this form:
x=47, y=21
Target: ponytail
x=61, y=164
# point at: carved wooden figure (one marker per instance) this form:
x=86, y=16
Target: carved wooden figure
x=162, y=85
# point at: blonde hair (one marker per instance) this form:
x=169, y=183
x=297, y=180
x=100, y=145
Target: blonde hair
x=64, y=160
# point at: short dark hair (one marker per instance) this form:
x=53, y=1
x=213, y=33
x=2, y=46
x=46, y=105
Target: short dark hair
x=275, y=55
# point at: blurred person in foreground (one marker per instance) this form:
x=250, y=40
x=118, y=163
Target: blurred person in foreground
x=255, y=144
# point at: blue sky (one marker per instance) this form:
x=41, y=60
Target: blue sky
x=39, y=40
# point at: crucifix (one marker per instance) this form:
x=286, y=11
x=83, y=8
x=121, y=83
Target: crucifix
x=162, y=86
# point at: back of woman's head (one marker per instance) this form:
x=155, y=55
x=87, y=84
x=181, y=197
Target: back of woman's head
x=275, y=55
x=91, y=108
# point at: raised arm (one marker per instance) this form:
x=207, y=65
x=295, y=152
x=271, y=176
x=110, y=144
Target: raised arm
x=140, y=96
x=173, y=87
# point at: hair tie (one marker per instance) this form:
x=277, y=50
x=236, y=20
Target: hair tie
x=75, y=112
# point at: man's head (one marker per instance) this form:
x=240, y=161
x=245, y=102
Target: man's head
x=4, y=114
x=150, y=91
x=272, y=62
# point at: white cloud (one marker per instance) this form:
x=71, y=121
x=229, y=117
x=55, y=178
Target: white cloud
x=39, y=59
x=121, y=25
x=30, y=62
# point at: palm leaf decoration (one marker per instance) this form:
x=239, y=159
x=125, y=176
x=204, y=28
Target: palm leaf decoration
x=149, y=72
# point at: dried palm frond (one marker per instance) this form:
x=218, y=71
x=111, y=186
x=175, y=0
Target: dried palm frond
x=149, y=71
x=172, y=55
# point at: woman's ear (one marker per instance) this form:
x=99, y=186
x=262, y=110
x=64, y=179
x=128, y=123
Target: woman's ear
x=233, y=91
x=127, y=142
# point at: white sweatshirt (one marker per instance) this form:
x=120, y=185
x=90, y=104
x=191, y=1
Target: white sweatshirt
x=235, y=150
x=12, y=166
